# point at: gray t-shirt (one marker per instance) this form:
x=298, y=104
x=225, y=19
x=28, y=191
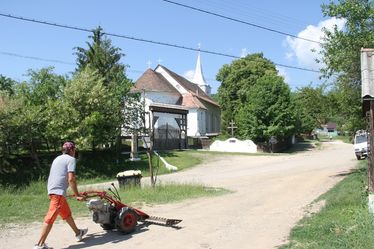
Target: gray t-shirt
x=58, y=175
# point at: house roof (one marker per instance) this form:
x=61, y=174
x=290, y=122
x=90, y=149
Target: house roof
x=192, y=88
x=331, y=125
x=153, y=81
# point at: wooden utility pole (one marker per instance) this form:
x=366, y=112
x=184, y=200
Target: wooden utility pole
x=371, y=148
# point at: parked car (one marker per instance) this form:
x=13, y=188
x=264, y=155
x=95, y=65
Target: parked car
x=360, y=144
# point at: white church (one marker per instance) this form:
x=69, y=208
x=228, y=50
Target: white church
x=178, y=108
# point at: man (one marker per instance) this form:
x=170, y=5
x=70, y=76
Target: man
x=62, y=174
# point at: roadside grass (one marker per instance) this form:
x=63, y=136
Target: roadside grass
x=344, y=221
x=31, y=203
x=181, y=159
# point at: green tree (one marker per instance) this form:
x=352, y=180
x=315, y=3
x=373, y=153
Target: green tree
x=87, y=109
x=269, y=111
x=236, y=80
x=341, y=55
x=7, y=84
x=105, y=59
x=256, y=98
x=312, y=108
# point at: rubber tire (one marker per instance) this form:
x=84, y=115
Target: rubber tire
x=107, y=226
x=358, y=157
x=127, y=221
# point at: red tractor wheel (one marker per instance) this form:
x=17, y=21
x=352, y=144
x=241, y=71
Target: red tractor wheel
x=127, y=220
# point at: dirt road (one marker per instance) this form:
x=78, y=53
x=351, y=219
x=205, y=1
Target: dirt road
x=270, y=194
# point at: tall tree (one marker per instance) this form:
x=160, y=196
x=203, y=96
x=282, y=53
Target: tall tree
x=236, y=80
x=256, y=98
x=312, y=108
x=341, y=54
x=269, y=111
x=89, y=116
x=105, y=59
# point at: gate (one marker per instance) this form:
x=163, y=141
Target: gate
x=168, y=139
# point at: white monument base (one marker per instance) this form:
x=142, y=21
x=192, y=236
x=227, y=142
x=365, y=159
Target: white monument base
x=234, y=145
x=371, y=203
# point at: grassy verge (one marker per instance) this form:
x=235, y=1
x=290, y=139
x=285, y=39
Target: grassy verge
x=181, y=159
x=344, y=222
x=31, y=203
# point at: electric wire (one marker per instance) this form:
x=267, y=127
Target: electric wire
x=240, y=21
x=247, y=9
x=143, y=40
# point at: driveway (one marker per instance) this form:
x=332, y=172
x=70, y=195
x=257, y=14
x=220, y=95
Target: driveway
x=270, y=194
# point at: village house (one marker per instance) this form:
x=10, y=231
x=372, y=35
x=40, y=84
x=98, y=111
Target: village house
x=178, y=108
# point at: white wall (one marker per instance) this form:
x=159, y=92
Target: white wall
x=161, y=97
x=192, y=128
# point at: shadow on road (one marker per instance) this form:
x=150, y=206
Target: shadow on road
x=300, y=147
x=351, y=172
x=102, y=238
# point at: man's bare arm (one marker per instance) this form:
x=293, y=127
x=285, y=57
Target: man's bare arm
x=73, y=185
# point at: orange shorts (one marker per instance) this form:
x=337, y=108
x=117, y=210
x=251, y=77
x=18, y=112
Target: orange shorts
x=57, y=206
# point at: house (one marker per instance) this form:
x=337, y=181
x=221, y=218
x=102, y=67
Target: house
x=177, y=106
x=328, y=129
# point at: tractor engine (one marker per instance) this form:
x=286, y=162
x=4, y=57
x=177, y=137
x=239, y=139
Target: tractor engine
x=101, y=211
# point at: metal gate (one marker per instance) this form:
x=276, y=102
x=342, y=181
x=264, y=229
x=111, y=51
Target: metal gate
x=168, y=139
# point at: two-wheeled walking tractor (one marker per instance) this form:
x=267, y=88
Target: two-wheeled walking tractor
x=109, y=211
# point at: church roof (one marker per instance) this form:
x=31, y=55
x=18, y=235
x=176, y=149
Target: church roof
x=153, y=81
x=194, y=89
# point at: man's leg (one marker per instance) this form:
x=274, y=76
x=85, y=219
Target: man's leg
x=49, y=219
x=45, y=231
x=72, y=224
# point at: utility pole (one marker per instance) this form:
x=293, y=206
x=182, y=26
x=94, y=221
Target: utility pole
x=367, y=94
x=371, y=149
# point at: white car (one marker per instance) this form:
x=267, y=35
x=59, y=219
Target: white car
x=360, y=144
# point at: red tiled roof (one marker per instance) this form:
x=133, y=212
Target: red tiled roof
x=153, y=81
x=194, y=89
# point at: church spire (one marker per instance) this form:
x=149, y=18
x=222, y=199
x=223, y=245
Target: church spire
x=198, y=77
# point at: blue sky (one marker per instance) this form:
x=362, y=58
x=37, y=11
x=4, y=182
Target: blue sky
x=160, y=21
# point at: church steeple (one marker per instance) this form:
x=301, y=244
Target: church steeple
x=198, y=77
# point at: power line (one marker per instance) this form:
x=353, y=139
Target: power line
x=53, y=60
x=143, y=40
x=36, y=58
x=240, y=21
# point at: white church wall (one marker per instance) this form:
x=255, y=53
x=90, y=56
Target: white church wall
x=192, y=128
x=161, y=97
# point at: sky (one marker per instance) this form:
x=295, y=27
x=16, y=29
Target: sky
x=28, y=45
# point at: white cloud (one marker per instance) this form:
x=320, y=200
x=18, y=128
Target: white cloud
x=189, y=74
x=301, y=50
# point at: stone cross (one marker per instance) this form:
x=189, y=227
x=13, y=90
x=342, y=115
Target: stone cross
x=232, y=127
